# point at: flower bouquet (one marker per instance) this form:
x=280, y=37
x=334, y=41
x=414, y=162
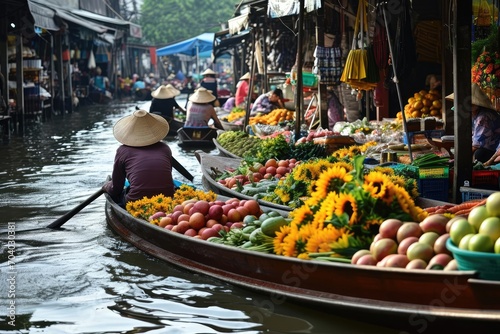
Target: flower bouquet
x=486, y=73
x=344, y=212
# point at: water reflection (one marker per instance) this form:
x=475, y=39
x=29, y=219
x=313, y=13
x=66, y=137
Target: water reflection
x=85, y=279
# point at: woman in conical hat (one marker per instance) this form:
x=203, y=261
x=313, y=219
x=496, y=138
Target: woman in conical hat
x=164, y=102
x=200, y=110
x=242, y=90
x=485, y=125
x=143, y=159
x=210, y=83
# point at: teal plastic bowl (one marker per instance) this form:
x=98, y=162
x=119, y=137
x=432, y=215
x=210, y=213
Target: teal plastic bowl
x=487, y=265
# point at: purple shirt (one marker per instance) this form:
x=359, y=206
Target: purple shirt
x=486, y=130
x=148, y=170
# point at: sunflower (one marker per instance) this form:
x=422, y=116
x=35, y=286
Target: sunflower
x=345, y=210
x=380, y=186
x=346, y=204
x=331, y=180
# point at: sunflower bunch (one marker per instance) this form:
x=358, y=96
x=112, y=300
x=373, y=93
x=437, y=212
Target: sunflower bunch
x=147, y=206
x=344, y=212
x=301, y=182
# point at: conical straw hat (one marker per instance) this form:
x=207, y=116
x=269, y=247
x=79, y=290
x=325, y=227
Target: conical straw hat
x=165, y=92
x=140, y=129
x=202, y=95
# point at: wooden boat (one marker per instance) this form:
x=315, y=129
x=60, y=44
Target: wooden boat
x=175, y=125
x=223, y=152
x=419, y=301
x=228, y=126
x=211, y=163
x=196, y=137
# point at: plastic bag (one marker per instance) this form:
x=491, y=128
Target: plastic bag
x=91, y=65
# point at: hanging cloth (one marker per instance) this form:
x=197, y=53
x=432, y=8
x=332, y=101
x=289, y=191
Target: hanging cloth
x=405, y=54
x=356, y=66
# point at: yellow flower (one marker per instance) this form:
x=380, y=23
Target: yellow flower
x=346, y=203
x=331, y=180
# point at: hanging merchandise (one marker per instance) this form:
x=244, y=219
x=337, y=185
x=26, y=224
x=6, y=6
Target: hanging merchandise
x=356, y=72
x=101, y=54
x=91, y=64
x=328, y=64
x=77, y=53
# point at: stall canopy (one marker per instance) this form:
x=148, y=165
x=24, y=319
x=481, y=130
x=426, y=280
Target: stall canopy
x=191, y=47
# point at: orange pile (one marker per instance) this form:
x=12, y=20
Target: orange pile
x=423, y=104
x=273, y=118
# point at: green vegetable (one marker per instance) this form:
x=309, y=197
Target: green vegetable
x=272, y=225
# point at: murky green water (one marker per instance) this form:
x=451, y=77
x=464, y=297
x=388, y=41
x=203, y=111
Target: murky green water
x=85, y=279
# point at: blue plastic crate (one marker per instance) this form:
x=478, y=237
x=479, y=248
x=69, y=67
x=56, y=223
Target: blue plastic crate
x=474, y=193
x=434, y=188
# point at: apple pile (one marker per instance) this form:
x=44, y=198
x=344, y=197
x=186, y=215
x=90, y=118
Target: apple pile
x=203, y=219
x=480, y=231
x=272, y=168
x=410, y=245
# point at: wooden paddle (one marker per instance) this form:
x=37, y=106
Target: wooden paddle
x=183, y=171
x=60, y=221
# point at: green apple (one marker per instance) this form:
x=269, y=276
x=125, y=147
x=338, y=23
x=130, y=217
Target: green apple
x=491, y=227
x=496, y=247
x=481, y=243
x=477, y=215
x=429, y=238
x=493, y=204
x=464, y=243
x=460, y=228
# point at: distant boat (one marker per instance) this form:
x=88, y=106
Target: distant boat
x=196, y=136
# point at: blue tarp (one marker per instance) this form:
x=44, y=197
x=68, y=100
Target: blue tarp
x=190, y=47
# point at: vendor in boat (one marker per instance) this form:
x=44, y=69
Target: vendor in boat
x=485, y=125
x=267, y=102
x=142, y=159
x=164, y=102
x=210, y=83
x=200, y=110
x=242, y=90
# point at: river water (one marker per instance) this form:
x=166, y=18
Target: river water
x=85, y=279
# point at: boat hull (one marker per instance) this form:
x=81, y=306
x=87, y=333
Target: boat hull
x=196, y=137
x=210, y=163
x=413, y=300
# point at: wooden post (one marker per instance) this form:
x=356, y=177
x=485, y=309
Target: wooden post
x=461, y=86
x=299, y=93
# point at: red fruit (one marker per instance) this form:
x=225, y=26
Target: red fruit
x=211, y=223
x=215, y=212
x=384, y=247
x=191, y=232
x=197, y=220
x=389, y=228
x=253, y=207
x=367, y=260
x=234, y=215
x=405, y=243
x=271, y=170
x=208, y=233
x=202, y=207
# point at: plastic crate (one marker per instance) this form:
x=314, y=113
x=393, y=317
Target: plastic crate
x=434, y=172
x=474, y=193
x=487, y=179
x=487, y=265
x=434, y=188
x=308, y=79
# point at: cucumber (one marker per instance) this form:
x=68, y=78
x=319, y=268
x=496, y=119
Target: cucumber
x=272, y=225
x=249, y=228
